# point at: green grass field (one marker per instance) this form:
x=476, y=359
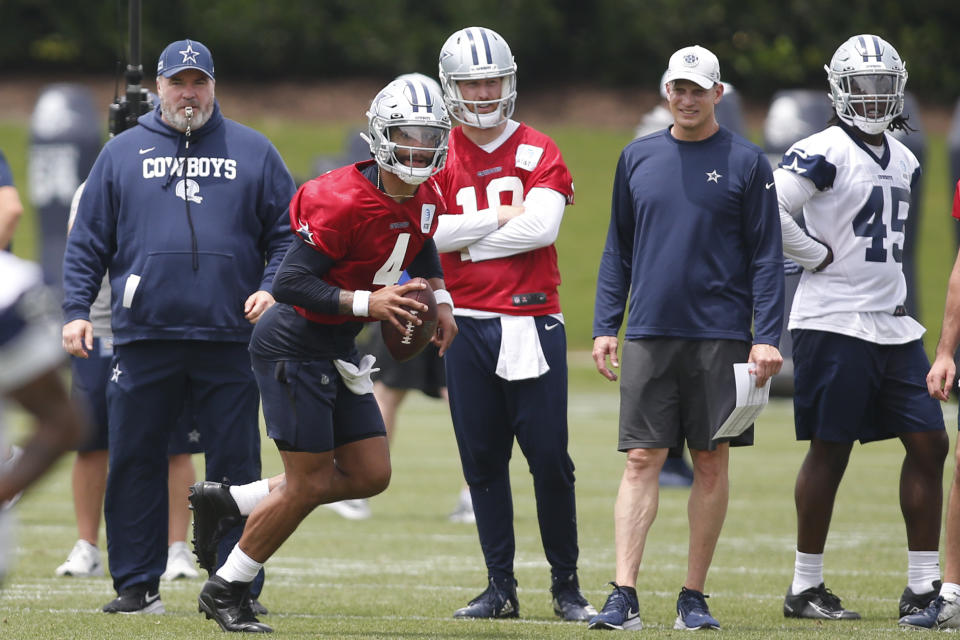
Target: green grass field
x=402, y=573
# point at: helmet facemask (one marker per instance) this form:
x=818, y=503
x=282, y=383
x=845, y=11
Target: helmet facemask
x=478, y=53
x=408, y=130
x=867, y=79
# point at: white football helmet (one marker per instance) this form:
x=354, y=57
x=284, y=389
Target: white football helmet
x=867, y=79
x=476, y=53
x=408, y=127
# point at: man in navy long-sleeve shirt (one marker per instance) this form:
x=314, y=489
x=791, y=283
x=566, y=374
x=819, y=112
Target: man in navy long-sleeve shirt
x=694, y=253
x=188, y=212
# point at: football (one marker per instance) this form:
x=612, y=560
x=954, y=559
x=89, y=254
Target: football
x=405, y=345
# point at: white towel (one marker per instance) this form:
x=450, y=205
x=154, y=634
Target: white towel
x=357, y=377
x=521, y=356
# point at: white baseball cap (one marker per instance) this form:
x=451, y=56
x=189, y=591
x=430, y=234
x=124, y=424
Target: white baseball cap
x=695, y=64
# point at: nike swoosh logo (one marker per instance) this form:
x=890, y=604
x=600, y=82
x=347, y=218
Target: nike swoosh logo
x=771, y=184
x=151, y=598
x=143, y=151
x=632, y=614
x=551, y=327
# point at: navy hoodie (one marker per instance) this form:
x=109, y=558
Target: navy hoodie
x=187, y=232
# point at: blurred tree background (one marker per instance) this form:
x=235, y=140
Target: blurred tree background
x=762, y=45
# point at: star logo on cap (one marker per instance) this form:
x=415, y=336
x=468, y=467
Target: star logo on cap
x=713, y=176
x=189, y=55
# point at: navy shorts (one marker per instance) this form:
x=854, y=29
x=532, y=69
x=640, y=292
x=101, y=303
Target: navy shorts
x=308, y=408
x=88, y=387
x=847, y=389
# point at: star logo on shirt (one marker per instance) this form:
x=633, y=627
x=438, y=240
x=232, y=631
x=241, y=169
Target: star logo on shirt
x=793, y=166
x=115, y=376
x=304, y=232
x=713, y=176
x=189, y=55
x=194, y=436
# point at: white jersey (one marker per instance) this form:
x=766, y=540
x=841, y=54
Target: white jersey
x=856, y=200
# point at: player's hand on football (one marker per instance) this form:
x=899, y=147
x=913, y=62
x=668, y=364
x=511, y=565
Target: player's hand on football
x=767, y=361
x=256, y=304
x=941, y=377
x=446, y=328
x=507, y=212
x=605, y=347
x=390, y=304
x=78, y=338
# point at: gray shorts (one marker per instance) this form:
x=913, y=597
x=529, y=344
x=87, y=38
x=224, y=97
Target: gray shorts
x=673, y=390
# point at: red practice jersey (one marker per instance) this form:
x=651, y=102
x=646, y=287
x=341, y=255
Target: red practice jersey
x=371, y=237
x=956, y=202
x=474, y=180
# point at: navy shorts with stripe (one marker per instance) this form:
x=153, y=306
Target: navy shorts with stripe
x=307, y=407
x=848, y=389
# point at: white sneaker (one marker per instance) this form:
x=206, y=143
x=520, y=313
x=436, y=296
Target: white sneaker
x=351, y=509
x=179, y=563
x=83, y=562
x=464, y=512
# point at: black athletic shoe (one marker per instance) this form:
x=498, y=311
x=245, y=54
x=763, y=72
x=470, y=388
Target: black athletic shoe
x=229, y=604
x=257, y=608
x=568, y=602
x=498, y=601
x=137, y=599
x=911, y=602
x=214, y=513
x=818, y=603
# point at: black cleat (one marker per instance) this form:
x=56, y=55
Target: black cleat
x=568, y=602
x=498, y=601
x=136, y=599
x=257, y=608
x=229, y=604
x=214, y=513
x=911, y=602
x=818, y=603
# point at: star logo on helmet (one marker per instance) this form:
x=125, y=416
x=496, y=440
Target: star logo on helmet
x=189, y=55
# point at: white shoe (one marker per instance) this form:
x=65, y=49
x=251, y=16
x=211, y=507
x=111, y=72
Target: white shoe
x=83, y=561
x=463, y=514
x=351, y=509
x=179, y=563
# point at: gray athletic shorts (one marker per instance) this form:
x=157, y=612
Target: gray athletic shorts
x=673, y=390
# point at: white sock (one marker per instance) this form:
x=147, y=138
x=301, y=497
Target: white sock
x=248, y=495
x=923, y=567
x=807, y=572
x=239, y=567
x=950, y=590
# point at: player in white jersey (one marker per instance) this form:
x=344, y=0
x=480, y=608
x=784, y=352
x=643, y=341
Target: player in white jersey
x=859, y=363
x=30, y=355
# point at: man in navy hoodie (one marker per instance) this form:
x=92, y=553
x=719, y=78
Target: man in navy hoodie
x=187, y=210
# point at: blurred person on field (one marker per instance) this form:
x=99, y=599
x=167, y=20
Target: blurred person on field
x=30, y=362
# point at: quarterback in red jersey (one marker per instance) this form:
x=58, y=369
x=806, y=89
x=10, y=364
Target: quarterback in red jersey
x=506, y=186
x=358, y=229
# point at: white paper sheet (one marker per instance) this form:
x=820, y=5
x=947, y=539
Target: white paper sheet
x=751, y=400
